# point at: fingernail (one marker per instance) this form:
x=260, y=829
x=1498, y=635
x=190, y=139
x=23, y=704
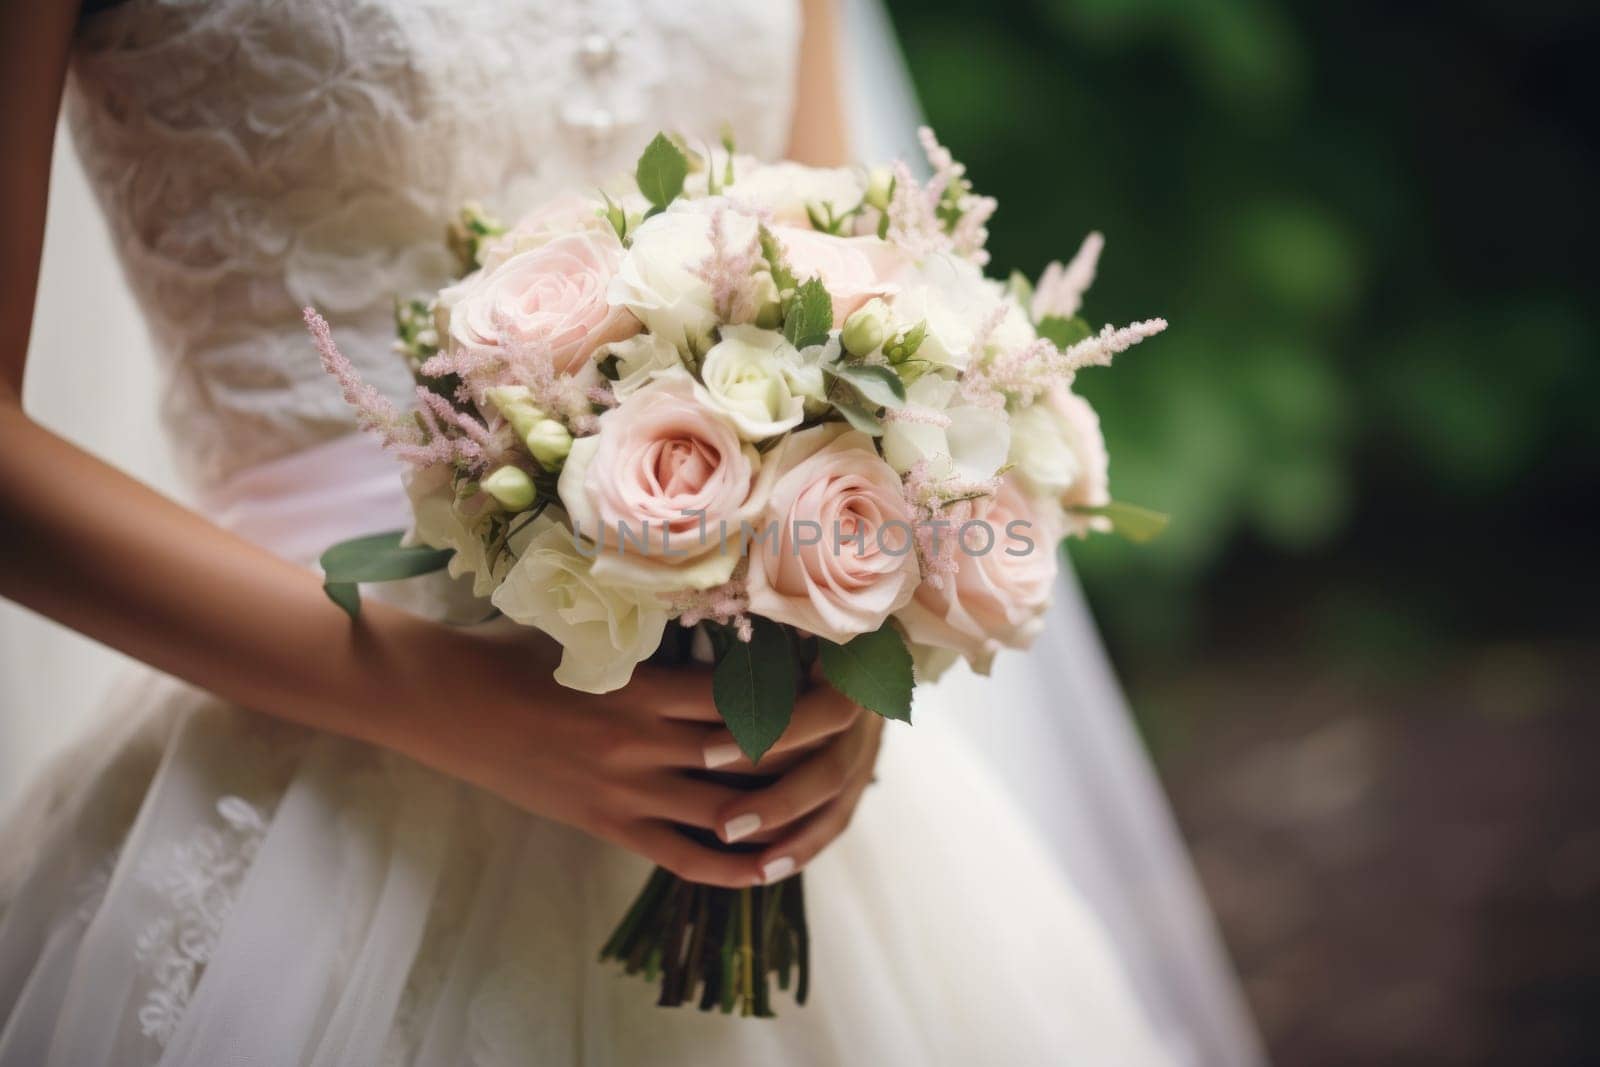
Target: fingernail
x=722, y=755
x=741, y=826
x=777, y=870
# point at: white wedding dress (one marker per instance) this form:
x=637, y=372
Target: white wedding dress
x=202, y=885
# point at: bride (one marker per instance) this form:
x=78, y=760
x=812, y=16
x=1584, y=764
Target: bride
x=409, y=847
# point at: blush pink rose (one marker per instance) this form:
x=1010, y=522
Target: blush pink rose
x=841, y=559
x=854, y=269
x=566, y=214
x=1005, y=575
x=658, y=485
x=552, y=296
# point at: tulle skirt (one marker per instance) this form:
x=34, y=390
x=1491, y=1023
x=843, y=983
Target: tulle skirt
x=198, y=884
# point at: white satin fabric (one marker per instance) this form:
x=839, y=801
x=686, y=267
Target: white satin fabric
x=198, y=884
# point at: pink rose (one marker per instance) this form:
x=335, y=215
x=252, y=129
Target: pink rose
x=834, y=553
x=1005, y=558
x=854, y=269
x=552, y=296
x=658, y=485
x=567, y=214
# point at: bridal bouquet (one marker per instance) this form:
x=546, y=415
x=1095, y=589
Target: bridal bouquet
x=777, y=405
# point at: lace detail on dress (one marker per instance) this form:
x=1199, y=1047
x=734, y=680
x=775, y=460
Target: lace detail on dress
x=199, y=879
x=252, y=157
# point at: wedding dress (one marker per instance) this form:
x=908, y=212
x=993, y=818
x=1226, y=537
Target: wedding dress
x=199, y=884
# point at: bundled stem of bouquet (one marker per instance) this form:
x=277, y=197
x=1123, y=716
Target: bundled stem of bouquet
x=716, y=352
x=730, y=944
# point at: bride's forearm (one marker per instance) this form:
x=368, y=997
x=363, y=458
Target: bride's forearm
x=96, y=550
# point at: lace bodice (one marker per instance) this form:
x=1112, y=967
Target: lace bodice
x=254, y=156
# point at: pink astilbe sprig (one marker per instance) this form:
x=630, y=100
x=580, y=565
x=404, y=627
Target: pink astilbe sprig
x=940, y=504
x=1060, y=289
x=918, y=414
x=731, y=273
x=727, y=604
x=414, y=437
x=915, y=222
x=1024, y=373
x=913, y=214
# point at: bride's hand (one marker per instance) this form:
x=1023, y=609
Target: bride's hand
x=629, y=766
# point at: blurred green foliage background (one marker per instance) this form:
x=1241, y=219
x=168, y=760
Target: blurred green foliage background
x=1371, y=227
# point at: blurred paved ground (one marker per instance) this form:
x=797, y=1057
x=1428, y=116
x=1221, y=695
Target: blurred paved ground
x=1407, y=871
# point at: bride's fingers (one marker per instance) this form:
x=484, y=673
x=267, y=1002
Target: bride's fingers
x=665, y=846
x=822, y=776
x=680, y=693
x=793, y=852
x=673, y=797
x=819, y=714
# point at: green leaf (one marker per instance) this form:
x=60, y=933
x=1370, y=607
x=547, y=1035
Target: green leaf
x=1129, y=520
x=375, y=558
x=808, y=319
x=1064, y=333
x=859, y=417
x=661, y=171
x=874, y=670
x=754, y=687
x=878, y=384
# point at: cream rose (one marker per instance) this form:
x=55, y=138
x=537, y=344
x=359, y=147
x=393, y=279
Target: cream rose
x=785, y=189
x=833, y=553
x=1005, y=557
x=952, y=438
x=1059, y=454
x=953, y=298
x=746, y=376
x=658, y=485
x=437, y=522
x=639, y=360
x=604, y=629
x=553, y=296
x=660, y=281
x=853, y=269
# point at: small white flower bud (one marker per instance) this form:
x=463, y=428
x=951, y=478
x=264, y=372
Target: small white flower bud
x=516, y=406
x=865, y=328
x=880, y=180
x=549, y=441
x=511, y=487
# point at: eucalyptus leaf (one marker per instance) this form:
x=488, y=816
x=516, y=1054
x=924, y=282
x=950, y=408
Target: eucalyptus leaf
x=753, y=685
x=1129, y=520
x=375, y=558
x=808, y=319
x=661, y=171
x=859, y=417
x=1064, y=332
x=879, y=384
x=874, y=670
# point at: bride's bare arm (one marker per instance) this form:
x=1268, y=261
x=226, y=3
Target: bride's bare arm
x=88, y=546
x=819, y=136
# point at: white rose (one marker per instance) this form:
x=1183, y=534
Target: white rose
x=949, y=294
x=604, y=630
x=971, y=447
x=438, y=523
x=1060, y=455
x=659, y=279
x=745, y=377
x=638, y=360
x=785, y=189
